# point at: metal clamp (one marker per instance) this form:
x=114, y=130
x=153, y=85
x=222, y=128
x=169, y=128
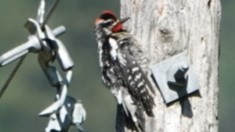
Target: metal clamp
x=65, y=111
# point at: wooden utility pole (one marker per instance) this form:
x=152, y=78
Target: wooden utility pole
x=166, y=28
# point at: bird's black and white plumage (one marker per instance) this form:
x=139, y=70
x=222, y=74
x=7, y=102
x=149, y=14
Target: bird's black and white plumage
x=119, y=57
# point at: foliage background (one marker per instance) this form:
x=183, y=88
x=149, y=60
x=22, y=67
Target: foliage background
x=30, y=92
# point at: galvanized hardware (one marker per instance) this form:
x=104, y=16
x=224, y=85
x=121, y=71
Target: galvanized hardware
x=175, y=77
x=65, y=111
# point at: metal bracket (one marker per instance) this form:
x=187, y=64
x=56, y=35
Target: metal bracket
x=175, y=77
x=71, y=113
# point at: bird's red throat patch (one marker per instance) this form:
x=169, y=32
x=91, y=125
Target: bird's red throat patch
x=118, y=27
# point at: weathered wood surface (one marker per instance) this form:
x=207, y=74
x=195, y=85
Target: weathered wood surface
x=166, y=28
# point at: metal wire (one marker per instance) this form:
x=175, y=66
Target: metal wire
x=3, y=89
x=50, y=11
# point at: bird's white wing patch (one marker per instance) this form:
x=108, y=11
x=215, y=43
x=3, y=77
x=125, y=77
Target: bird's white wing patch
x=114, y=48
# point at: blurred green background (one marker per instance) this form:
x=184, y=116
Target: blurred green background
x=30, y=92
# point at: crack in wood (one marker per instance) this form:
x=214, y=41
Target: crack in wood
x=209, y=3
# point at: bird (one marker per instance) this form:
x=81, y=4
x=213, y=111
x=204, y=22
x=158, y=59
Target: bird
x=119, y=59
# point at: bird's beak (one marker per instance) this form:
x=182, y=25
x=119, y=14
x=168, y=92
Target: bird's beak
x=123, y=20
